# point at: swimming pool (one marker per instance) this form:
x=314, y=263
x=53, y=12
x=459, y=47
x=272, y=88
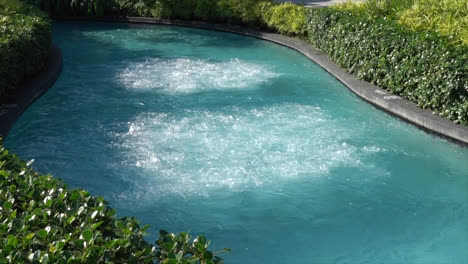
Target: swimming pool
x=247, y=142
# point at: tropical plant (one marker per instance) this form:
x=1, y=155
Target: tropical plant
x=386, y=7
x=443, y=17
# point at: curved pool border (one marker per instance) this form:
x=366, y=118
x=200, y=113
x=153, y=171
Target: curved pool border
x=378, y=97
x=14, y=103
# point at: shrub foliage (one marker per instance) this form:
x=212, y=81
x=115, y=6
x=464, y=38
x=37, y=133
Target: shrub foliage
x=422, y=67
x=25, y=40
x=42, y=221
x=284, y=18
x=445, y=17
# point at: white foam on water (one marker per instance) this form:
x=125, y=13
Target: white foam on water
x=195, y=152
x=373, y=149
x=188, y=75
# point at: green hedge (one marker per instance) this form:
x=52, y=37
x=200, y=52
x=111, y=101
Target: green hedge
x=42, y=221
x=421, y=67
x=284, y=18
x=25, y=39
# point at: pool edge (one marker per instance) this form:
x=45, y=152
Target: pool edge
x=13, y=105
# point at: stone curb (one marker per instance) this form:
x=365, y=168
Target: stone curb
x=15, y=103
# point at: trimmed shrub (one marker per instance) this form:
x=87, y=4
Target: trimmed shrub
x=287, y=18
x=25, y=40
x=42, y=221
x=422, y=67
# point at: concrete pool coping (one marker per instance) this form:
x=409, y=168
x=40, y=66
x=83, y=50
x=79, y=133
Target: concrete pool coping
x=382, y=99
x=14, y=103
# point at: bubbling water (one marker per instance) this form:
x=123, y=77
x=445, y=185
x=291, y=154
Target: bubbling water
x=188, y=75
x=196, y=151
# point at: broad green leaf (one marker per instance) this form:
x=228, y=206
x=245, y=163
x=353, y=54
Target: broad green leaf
x=42, y=233
x=30, y=236
x=12, y=241
x=96, y=225
x=7, y=205
x=71, y=219
x=87, y=235
x=208, y=255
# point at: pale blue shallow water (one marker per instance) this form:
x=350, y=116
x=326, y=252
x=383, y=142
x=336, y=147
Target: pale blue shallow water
x=247, y=142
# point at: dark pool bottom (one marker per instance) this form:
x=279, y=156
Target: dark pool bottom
x=247, y=142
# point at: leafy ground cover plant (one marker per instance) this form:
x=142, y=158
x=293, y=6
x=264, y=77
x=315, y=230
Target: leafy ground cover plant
x=422, y=67
x=444, y=17
x=25, y=40
x=42, y=221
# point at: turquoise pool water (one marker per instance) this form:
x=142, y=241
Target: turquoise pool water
x=247, y=142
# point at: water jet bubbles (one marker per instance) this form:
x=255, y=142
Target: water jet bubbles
x=190, y=75
x=201, y=152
